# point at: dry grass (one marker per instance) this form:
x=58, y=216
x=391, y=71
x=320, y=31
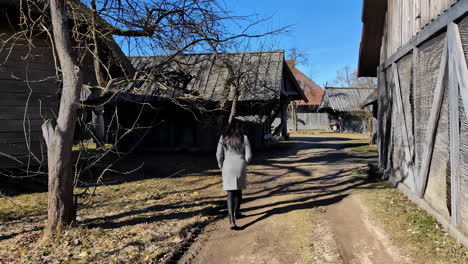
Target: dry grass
x=323, y=133
x=409, y=227
x=143, y=217
x=133, y=222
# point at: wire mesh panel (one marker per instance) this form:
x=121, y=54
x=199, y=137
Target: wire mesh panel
x=426, y=71
x=463, y=191
x=402, y=163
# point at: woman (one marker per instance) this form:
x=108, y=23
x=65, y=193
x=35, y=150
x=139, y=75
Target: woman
x=233, y=155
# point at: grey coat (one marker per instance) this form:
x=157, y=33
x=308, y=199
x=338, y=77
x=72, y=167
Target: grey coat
x=234, y=165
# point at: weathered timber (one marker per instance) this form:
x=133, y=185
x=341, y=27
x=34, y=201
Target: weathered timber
x=432, y=124
x=409, y=151
x=455, y=12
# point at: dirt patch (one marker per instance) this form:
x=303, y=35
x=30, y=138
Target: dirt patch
x=302, y=210
x=358, y=240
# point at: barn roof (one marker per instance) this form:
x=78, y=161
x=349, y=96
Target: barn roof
x=312, y=90
x=210, y=76
x=344, y=99
x=372, y=98
x=373, y=22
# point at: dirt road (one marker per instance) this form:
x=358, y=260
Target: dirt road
x=301, y=208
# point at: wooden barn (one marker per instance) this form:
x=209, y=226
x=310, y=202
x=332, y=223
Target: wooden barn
x=30, y=84
x=306, y=114
x=185, y=103
x=418, y=49
x=343, y=107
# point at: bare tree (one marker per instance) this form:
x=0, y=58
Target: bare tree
x=299, y=56
x=347, y=77
x=79, y=31
x=60, y=138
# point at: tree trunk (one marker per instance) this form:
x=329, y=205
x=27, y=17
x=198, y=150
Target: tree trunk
x=61, y=209
x=233, y=111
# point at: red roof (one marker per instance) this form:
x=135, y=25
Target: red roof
x=312, y=90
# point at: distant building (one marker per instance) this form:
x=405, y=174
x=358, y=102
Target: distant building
x=344, y=109
x=308, y=117
x=170, y=97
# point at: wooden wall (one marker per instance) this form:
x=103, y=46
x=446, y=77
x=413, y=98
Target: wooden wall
x=425, y=153
x=28, y=95
x=405, y=18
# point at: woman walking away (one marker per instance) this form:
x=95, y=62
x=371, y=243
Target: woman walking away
x=233, y=155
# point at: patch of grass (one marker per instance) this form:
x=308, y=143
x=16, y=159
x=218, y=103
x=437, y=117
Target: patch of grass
x=132, y=222
x=136, y=218
x=313, y=131
x=365, y=148
x=410, y=228
x=22, y=206
x=89, y=146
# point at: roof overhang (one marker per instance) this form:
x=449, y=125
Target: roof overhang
x=296, y=93
x=373, y=19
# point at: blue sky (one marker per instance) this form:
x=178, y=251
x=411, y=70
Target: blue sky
x=329, y=31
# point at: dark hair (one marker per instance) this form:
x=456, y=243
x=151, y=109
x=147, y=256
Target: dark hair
x=233, y=138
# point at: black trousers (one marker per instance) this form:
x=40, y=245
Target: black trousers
x=234, y=200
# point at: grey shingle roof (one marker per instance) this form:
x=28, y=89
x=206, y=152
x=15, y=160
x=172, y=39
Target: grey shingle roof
x=372, y=98
x=207, y=76
x=344, y=99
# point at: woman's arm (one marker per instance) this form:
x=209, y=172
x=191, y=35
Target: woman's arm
x=248, y=151
x=220, y=153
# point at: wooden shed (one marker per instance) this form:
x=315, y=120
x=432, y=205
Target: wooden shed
x=343, y=106
x=30, y=83
x=417, y=49
x=184, y=104
x=307, y=115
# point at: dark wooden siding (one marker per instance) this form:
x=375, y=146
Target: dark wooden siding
x=28, y=95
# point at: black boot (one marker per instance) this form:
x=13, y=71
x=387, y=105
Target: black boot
x=230, y=206
x=237, y=203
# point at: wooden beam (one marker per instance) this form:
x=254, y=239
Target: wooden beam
x=431, y=130
x=409, y=146
x=455, y=12
x=458, y=77
x=461, y=67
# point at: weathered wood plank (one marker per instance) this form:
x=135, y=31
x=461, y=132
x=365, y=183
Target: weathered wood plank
x=21, y=149
x=454, y=124
x=425, y=13
x=20, y=99
x=458, y=55
x=409, y=151
x=390, y=25
x=436, y=8
x=416, y=17
x=18, y=126
x=19, y=86
x=406, y=21
x=19, y=73
x=19, y=137
x=431, y=130
x=458, y=77
x=398, y=25
x=455, y=12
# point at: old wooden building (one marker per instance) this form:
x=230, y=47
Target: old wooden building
x=307, y=115
x=30, y=81
x=185, y=103
x=417, y=49
x=344, y=109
